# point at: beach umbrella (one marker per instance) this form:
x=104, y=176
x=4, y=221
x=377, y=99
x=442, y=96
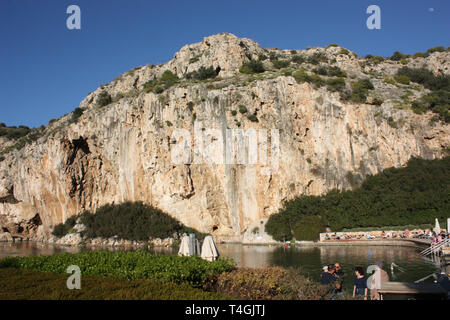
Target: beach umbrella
x=184, y=246
x=209, y=249
x=437, y=227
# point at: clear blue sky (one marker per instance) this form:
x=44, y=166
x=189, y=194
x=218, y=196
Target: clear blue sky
x=46, y=69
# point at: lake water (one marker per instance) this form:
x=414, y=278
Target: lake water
x=309, y=260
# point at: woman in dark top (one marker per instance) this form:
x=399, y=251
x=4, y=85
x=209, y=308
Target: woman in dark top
x=360, y=287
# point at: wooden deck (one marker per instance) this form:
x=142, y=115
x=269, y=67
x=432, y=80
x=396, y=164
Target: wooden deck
x=407, y=288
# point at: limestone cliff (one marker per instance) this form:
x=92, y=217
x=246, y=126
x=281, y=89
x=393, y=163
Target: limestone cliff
x=123, y=151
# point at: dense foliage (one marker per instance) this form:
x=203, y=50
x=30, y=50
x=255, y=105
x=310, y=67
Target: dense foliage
x=62, y=229
x=130, y=265
x=416, y=194
x=104, y=98
x=129, y=221
x=269, y=283
x=253, y=66
x=13, y=132
x=438, y=100
x=203, y=73
x=77, y=113
x=280, y=64
x=52, y=286
x=166, y=80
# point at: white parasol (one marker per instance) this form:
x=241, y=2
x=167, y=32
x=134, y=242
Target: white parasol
x=209, y=249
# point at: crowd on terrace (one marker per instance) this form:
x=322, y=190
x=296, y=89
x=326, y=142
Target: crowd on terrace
x=386, y=235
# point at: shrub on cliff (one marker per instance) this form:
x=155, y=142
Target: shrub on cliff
x=132, y=221
x=14, y=132
x=438, y=101
x=76, y=114
x=280, y=64
x=104, y=98
x=62, y=229
x=253, y=66
x=203, y=73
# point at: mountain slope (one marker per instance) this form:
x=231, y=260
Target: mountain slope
x=119, y=144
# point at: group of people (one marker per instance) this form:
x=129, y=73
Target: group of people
x=333, y=275
x=417, y=234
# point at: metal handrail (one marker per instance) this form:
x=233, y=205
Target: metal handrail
x=434, y=247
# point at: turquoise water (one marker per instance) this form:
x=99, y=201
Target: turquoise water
x=309, y=260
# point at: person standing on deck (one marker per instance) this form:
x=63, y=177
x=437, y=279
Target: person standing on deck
x=360, y=287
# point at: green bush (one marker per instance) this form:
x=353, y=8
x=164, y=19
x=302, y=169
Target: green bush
x=280, y=64
x=103, y=99
x=298, y=59
x=317, y=58
x=242, y=109
x=397, y=56
x=130, y=265
x=309, y=227
x=330, y=71
x=344, y=51
x=14, y=132
x=402, y=79
x=203, y=73
x=268, y=283
x=426, y=78
x=62, y=229
x=252, y=118
x=360, y=89
x=251, y=67
x=233, y=112
x=77, y=113
x=167, y=79
x=301, y=76
x=416, y=194
x=438, y=101
x=336, y=84
x=436, y=49
x=131, y=221
x=420, y=55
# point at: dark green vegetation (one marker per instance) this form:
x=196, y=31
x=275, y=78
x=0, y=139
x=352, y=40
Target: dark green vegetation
x=203, y=73
x=128, y=221
x=253, y=66
x=302, y=76
x=62, y=229
x=416, y=194
x=13, y=132
x=332, y=71
x=438, y=100
x=21, y=135
x=140, y=275
x=167, y=80
x=269, y=283
x=77, y=113
x=359, y=91
x=103, y=99
x=128, y=265
x=32, y=285
x=280, y=64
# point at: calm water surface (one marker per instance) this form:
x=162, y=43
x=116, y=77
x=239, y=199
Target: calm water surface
x=309, y=260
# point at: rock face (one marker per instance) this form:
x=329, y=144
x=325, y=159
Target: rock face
x=308, y=142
